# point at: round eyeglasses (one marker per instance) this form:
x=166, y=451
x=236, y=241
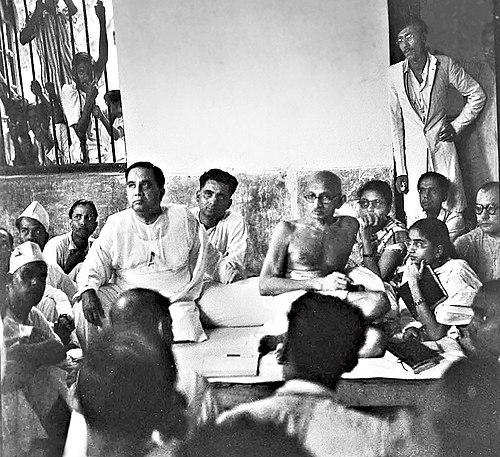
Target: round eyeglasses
x=324, y=199
x=365, y=203
x=491, y=208
x=408, y=38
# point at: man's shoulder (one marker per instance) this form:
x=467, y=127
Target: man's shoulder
x=475, y=236
x=58, y=240
x=233, y=216
x=395, y=67
x=176, y=210
x=68, y=89
x=119, y=217
x=396, y=70
x=37, y=319
x=446, y=62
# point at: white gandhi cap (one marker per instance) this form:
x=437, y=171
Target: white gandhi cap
x=25, y=253
x=36, y=211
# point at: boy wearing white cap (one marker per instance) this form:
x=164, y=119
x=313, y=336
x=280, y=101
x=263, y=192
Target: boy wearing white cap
x=33, y=225
x=33, y=386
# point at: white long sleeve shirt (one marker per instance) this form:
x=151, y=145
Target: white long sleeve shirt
x=167, y=256
x=227, y=247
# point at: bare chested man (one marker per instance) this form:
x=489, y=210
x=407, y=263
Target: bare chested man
x=310, y=254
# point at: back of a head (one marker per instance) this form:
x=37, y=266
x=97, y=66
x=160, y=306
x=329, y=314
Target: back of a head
x=243, y=436
x=324, y=337
x=145, y=309
x=468, y=424
x=126, y=387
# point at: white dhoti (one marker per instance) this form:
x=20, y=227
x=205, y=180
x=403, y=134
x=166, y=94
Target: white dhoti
x=279, y=305
x=238, y=304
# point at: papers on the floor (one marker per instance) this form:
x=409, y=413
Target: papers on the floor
x=230, y=365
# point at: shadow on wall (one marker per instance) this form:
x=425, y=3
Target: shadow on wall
x=263, y=200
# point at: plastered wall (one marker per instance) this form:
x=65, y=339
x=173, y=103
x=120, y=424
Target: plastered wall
x=254, y=85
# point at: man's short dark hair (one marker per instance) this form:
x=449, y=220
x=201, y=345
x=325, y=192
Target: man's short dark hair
x=9, y=236
x=375, y=185
x=442, y=181
x=220, y=176
x=113, y=96
x=157, y=173
x=126, y=386
x=82, y=202
x=417, y=23
x=79, y=58
x=324, y=337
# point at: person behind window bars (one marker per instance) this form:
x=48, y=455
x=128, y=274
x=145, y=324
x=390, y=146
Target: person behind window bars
x=79, y=102
x=16, y=109
x=40, y=115
x=48, y=26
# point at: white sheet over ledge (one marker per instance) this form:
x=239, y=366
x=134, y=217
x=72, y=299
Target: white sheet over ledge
x=245, y=340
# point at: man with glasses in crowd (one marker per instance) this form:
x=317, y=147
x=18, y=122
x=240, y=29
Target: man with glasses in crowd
x=422, y=136
x=310, y=254
x=70, y=249
x=481, y=246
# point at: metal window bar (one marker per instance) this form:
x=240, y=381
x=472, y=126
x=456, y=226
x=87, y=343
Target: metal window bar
x=5, y=52
x=33, y=76
x=47, y=72
x=111, y=136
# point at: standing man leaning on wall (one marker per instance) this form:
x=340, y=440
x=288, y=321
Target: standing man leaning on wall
x=422, y=136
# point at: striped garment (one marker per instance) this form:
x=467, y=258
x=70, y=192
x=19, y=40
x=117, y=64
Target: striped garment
x=53, y=45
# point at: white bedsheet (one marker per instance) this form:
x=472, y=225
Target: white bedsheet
x=245, y=340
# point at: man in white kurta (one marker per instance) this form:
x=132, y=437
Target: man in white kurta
x=227, y=300
x=227, y=247
x=422, y=137
x=148, y=247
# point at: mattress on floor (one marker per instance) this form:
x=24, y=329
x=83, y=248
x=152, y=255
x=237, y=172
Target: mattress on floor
x=245, y=341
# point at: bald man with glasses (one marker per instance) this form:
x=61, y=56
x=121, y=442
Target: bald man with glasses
x=481, y=246
x=310, y=254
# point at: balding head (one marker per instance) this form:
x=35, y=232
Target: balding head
x=329, y=179
x=323, y=193
x=144, y=309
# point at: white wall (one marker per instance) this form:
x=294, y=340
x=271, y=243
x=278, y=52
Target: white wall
x=252, y=85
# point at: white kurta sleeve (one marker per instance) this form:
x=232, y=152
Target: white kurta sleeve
x=71, y=103
x=97, y=268
x=471, y=90
x=397, y=128
x=197, y=260
x=234, y=259
x=51, y=252
x=461, y=287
